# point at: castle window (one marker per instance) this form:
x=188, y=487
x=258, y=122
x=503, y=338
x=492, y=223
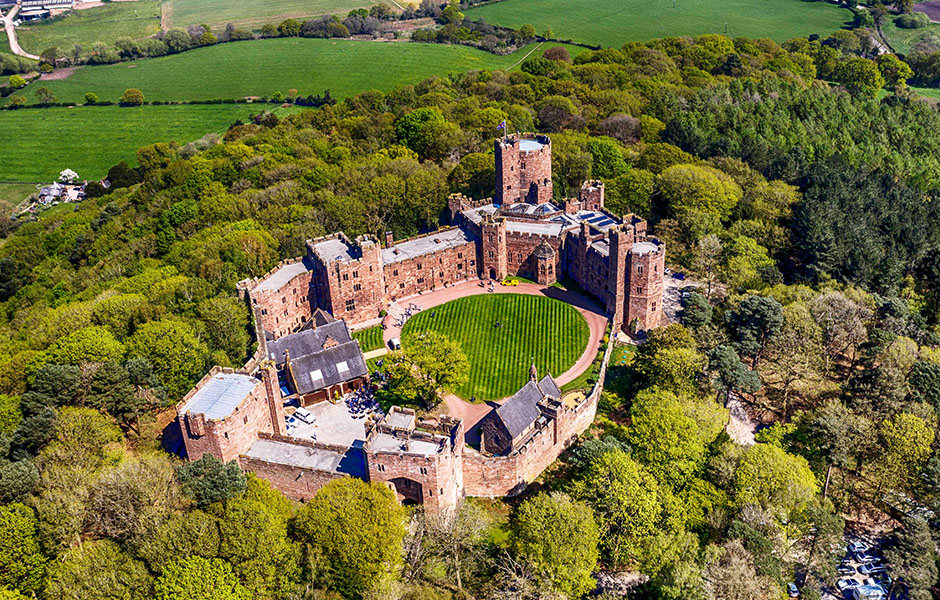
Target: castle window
x=264, y=311
x=653, y=308
x=357, y=287
x=395, y=273
x=246, y=420
x=430, y=492
x=283, y=299
x=639, y=290
x=420, y=279
x=350, y=305
x=549, y=268
x=419, y=266
x=226, y=435
x=522, y=167
x=460, y=255
x=380, y=468
x=402, y=285
x=355, y=274
x=509, y=256
x=459, y=266
x=639, y=268
x=345, y=276
x=424, y=470
x=472, y=262
x=491, y=254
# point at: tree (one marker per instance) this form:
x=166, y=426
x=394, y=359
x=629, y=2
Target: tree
x=754, y=324
x=91, y=98
x=708, y=253
x=87, y=345
x=628, y=504
x=779, y=483
x=16, y=82
x=68, y=176
x=131, y=97
x=289, y=28
x=895, y=71
x=730, y=574
x=427, y=132
x=209, y=480
x=924, y=380
x=696, y=311
x=17, y=479
x=253, y=538
x=429, y=364
x=526, y=32
x=98, y=570
x=906, y=440
x=198, y=578
x=45, y=96
x=175, y=353
x=17, y=101
x=113, y=390
x=912, y=556
x=731, y=375
x=699, y=197
x=860, y=76
x=796, y=354
x=455, y=541
x=358, y=529
x=22, y=565
x=840, y=435
x=557, y=537
x=670, y=434
x=670, y=360
x=843, y=323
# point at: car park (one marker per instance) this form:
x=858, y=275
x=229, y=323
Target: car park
x=869, y=592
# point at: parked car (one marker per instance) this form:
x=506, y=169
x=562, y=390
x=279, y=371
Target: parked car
x=394, y=343
x=845, y=585
x=869, y=592
x=872, y=569
x=509, y=282
x=884, y=580
x=792, y=590
x=857, y=547
x=304, y=415
x=845, y=569
x=866, y=557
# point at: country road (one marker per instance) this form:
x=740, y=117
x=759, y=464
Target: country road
x=11, y=34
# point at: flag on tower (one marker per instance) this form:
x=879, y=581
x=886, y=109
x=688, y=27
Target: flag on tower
x=502, y=125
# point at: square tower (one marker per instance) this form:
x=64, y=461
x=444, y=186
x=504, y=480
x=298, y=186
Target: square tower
x=523, y=169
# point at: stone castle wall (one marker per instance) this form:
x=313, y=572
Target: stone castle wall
x=281, y=311
x=447, y=266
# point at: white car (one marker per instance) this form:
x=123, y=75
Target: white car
x=846, y=584
x=304, y=415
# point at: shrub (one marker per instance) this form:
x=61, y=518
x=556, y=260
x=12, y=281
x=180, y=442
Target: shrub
x=132, y=97
x=16, y=82
x=91, y=98
x=558, y=53
x=912, y=21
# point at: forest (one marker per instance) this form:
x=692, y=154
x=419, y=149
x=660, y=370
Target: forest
x=800, y=196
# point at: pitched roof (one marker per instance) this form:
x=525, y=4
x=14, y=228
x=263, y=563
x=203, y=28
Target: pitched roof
x=544, y=250
x=521, y=410
x=328, y=367
x=308, y=341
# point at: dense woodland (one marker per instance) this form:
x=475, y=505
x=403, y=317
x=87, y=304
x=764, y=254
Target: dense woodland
x=806, y=210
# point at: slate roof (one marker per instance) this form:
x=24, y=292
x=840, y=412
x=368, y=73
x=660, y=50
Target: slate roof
x=544, y=250
x=451, y=238
x=219, y=396
x=521, y=410
x=283, y=275
x=316, y=371
x=308, y=341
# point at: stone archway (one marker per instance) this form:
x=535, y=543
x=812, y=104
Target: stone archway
x=407, y=490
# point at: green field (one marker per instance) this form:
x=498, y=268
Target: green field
x=12, y=194
x=89, y=140
x=613, y=23
x=259, y=68
x=902, y=40
x=370, y=339
x=549, y=331
x=254, y=13
x=106, y=23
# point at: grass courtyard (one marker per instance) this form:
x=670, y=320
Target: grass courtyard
x=106, y=23
x=619, y=21
x=548, y=330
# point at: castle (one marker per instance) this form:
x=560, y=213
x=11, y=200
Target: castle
x=307, y=359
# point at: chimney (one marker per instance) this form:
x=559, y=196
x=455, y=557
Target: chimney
x=389, y=239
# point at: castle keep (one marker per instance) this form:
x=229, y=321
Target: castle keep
x=307, y=361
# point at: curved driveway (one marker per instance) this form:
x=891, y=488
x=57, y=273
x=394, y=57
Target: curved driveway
x=11, y=35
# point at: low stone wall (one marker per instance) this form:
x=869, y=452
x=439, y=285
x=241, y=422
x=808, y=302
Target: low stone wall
x=297, y=483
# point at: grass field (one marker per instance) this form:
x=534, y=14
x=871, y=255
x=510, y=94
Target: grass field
x=902, y=40
x=254, y=13
x=12, y=194
x=85, y=27
x=91, y=139
x=618, y=21
x=259, y=68
x=549, y=331
x=369, y=339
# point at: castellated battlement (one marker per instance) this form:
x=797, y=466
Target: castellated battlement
x=248, y=284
